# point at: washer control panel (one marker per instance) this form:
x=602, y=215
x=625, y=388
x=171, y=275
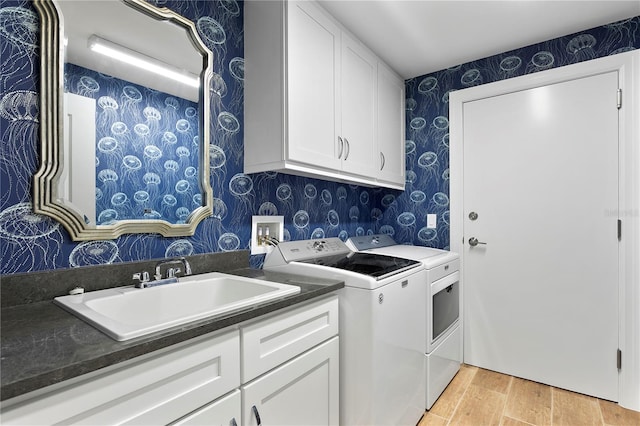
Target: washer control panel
x=366, y=242
x=308, y=249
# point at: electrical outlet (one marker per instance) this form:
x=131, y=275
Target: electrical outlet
x=432, y=221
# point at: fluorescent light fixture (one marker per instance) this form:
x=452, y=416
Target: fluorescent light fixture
x=131, y=57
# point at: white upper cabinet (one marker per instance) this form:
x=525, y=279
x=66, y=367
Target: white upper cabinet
x=312, y=98
x=390, y=127
x=313, y=88
x=358, y=98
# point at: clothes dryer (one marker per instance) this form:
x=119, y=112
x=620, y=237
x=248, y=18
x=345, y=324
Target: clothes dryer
x=443, y=340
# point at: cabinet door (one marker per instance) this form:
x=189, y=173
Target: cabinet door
x=225, y=411
x=390, y=123
x=157, y=388
x=313, y=63
x=358, y=108
x=303, y=391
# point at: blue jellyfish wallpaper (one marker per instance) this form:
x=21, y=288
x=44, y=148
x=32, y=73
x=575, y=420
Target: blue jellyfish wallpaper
x=147, y=149
x=140, y=174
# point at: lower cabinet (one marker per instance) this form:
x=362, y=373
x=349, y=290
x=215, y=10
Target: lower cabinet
x=278, y=370
x=301, y=392
x=154, y=389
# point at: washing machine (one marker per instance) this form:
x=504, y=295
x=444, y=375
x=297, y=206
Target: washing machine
x=382, y=327
x=443, y=340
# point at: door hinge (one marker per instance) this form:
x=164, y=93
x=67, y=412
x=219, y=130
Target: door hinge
x=619, y=230
x=619, y=359
x=619, y=98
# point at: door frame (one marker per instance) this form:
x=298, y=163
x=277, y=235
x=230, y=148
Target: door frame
x=628, y=66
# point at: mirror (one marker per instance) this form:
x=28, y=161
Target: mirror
x=124, y=145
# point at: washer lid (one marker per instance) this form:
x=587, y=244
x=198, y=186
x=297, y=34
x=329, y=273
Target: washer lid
x=374, y=265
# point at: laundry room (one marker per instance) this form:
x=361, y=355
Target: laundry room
x=377, y=212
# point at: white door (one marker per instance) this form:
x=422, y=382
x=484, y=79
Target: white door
x=541, y=174
x=77, y=183
x=303, y=391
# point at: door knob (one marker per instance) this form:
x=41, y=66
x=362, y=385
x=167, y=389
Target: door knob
x=473, y=241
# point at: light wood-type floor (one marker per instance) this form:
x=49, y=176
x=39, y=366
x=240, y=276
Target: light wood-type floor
x=481, y=397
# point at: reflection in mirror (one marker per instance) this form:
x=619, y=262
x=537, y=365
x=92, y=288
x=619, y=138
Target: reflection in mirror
x=123, y=113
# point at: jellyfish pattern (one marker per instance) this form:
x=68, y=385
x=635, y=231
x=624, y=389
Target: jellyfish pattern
x=144, y=142
x=145, y=168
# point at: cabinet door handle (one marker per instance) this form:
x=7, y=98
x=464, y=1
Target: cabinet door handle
x=233, y=422
x=382, y=161
x=346, y=142
x=341, y=146
x=255, y=413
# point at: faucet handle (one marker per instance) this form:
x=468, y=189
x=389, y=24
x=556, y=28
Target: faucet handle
x=143, y=276
x=171, y=272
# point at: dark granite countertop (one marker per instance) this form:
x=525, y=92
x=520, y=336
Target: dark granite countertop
x=42, y=344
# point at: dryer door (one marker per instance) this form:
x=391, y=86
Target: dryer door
x=445, y=307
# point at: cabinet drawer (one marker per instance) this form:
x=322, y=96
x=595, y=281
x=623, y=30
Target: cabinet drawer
x=224, y=411
x=154, y=389
x=444, y=270
x=275, y=340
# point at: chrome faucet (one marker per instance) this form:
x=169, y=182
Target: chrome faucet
x=171, y=272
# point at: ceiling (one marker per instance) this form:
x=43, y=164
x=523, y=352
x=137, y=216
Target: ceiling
x=417, y=37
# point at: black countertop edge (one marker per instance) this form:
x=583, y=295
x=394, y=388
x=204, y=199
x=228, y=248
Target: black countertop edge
x=42, y=344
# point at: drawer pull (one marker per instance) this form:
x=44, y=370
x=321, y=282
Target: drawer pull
x=405, y=283
x=255, y=413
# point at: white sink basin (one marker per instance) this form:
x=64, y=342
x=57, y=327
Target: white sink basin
x=127, y=312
